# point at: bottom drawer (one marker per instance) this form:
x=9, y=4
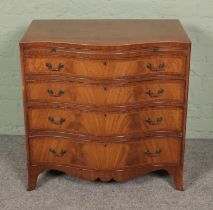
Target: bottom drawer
x=94, y=155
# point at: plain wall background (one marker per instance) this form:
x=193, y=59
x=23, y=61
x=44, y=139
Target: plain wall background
x=195, y=15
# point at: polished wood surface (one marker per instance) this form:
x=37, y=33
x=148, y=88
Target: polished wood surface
x=154, y=91
x=103, y=124
x=101, y=103
x=105, y=32
x=48, y=150
x=151, y=65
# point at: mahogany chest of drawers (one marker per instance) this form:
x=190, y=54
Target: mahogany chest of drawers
x=105, y=99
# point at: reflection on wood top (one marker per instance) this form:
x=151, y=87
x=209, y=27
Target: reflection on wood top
x=105, y=32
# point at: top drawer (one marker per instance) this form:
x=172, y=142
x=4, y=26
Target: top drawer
x=152, y=65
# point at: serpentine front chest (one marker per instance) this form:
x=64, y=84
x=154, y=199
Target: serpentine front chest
x=105, y=99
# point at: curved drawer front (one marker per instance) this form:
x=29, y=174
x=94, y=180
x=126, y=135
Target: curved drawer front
x=112, y=123
x=106, y=69
x=145, y=92
x=49, y=150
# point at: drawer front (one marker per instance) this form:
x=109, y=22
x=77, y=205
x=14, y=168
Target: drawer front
x=111, y=123
x=145, y=92
x=50, y=150
x=106, y=69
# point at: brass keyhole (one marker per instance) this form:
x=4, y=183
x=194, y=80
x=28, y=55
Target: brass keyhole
x=53, y=49
x=105, y=88
x=105, y=63
x=105, y=115
x=105, y=145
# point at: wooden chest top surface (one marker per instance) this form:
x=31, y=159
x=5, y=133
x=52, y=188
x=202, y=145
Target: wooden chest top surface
x=105, y=32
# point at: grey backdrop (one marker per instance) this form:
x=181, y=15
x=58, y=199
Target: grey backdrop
x=195, y=15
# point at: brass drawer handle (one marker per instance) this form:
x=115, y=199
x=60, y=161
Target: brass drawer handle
x=60, y=122
x=160, y=67
x=58, y=68
x=60, y=92
x=61, y=154
x=158, y=94
x=151, y=122
x=156, y=153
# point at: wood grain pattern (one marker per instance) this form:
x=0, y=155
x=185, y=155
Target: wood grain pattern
x=110, y=124
x=68, y=92
x=107, y=69
x=93, y=100
x=103, y=155
x=104, y=33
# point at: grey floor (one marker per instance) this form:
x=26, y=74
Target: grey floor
x=62, y=192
